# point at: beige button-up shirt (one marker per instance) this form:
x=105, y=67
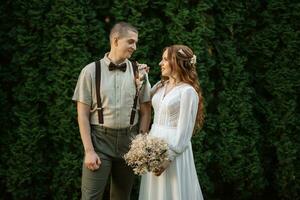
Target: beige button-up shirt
x=117, y=92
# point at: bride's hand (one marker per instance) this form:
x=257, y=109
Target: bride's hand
x=143, y=68
x=163, y=167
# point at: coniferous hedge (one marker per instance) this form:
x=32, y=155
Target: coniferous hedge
x=248, y=55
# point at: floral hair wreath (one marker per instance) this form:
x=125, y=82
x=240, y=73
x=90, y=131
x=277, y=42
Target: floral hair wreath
x=193, y=59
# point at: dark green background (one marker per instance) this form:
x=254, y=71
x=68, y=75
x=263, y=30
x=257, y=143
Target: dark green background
x=248, y=55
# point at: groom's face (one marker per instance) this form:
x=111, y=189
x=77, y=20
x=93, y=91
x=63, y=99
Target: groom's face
x=126, y=45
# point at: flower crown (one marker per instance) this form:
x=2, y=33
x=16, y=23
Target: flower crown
x=193, y=59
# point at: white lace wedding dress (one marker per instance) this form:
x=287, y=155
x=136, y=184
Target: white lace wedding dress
x=174, y=120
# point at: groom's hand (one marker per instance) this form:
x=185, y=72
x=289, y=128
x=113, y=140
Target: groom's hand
x=163, y=167
x=92, y=160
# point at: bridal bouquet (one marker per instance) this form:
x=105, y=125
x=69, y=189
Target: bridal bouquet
x=146, y=153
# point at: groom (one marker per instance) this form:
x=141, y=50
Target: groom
x=107, y=100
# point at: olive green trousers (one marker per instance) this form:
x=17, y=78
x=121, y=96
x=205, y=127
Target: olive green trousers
x=110, y=145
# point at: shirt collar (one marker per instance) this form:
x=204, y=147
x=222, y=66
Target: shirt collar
x=107, y=60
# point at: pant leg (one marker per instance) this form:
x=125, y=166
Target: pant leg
x=122, y=178
x=93, y=183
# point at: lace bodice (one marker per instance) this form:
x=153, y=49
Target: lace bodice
x=167, y=106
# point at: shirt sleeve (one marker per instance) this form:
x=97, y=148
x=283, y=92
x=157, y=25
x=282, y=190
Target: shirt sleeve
x=155, y=88
x=186, y=122
x=83, y=90
x=144, y=95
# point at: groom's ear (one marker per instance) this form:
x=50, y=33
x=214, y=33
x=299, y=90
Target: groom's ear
x=114, y=40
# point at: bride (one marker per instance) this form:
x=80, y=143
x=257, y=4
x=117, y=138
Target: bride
x=178, y=107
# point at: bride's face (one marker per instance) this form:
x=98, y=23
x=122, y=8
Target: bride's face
x=164, y=65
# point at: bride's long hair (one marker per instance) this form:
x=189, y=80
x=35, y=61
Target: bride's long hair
x=183, y=62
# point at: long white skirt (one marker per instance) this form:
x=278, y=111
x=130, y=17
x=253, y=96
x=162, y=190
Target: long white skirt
x=179, y=181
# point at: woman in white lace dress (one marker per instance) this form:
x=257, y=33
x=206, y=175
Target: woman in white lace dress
x=178, y=107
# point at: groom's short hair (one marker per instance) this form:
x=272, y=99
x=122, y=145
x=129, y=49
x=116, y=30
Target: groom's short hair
x=121, y=30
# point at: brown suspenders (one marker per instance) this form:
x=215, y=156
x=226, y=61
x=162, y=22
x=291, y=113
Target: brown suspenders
x=99, y=102
x=133, y=110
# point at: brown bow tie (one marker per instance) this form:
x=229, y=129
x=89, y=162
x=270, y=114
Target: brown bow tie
x=113, y=66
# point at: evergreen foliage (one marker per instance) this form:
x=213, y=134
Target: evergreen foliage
x=248, y=55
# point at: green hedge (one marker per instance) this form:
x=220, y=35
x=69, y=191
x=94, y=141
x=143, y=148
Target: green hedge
x=248, y=63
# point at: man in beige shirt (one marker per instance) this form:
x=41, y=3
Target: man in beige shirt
x=108, y=122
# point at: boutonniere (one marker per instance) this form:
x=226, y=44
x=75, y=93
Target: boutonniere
x=139, y=83
x=142, y=71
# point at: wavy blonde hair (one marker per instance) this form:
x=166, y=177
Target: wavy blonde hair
x=181, y=61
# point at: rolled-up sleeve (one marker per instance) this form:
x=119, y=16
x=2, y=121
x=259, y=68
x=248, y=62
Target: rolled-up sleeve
x=83, y=90
x=144, y=95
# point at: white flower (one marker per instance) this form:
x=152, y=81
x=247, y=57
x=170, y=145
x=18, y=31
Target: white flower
x=193, y=59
